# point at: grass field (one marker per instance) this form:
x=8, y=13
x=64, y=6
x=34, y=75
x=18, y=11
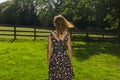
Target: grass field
x=27, y=60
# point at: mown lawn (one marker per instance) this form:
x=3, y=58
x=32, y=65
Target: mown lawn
x=27, y=60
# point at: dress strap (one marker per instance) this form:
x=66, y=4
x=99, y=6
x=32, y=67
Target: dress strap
x=65, y=38
x=53, y=36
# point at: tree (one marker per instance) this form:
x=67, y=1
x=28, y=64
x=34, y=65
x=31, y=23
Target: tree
x=8, y=15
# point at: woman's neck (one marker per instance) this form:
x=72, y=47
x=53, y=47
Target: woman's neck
x=60, y=35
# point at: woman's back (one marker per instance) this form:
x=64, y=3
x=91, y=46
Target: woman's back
x=59, y=45
x=60, y=67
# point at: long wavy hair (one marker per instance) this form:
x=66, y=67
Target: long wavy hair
x=62, y=24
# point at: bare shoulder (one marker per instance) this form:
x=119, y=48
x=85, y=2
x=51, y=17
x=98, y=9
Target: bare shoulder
x=68, y=34
x=49, y=35
x=69, y=37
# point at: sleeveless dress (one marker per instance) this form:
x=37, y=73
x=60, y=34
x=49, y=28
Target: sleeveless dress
x=60, y=67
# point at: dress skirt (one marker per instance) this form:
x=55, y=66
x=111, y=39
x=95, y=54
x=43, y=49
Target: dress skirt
x=60, y=67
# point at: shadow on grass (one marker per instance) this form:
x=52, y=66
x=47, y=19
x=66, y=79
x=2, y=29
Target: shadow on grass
x=83, y=49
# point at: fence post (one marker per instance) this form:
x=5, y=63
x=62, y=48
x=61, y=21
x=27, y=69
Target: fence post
x=87, y=34
x=119, y=32
x=103, y=33
x=14, y=32
x=35, y=33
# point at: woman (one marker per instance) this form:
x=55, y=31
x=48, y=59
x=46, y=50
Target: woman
x=59, y=62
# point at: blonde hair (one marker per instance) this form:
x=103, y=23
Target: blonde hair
x=62, y=24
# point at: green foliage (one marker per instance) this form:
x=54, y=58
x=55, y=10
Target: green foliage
x=20, y=12
x=82, y=13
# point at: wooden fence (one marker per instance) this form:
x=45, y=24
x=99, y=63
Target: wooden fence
x=74, y=32
x=97, y=33
x=16, y=31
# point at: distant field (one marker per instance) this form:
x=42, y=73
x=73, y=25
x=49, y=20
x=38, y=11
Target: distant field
x=27, y=60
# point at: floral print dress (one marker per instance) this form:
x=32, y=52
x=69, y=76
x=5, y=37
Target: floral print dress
x=60, y=67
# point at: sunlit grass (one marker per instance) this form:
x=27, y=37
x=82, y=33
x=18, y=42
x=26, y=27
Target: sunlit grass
x=27, y=60
x=96, y=60
x=23, y=61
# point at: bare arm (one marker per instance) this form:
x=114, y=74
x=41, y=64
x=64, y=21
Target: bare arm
x=69, y=47
x=49, y=49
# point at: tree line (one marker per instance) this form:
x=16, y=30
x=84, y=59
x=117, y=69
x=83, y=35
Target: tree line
x=82, y=13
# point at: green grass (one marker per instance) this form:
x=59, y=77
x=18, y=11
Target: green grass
x=23, y=60
x=27, y=60
x=96, y=60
